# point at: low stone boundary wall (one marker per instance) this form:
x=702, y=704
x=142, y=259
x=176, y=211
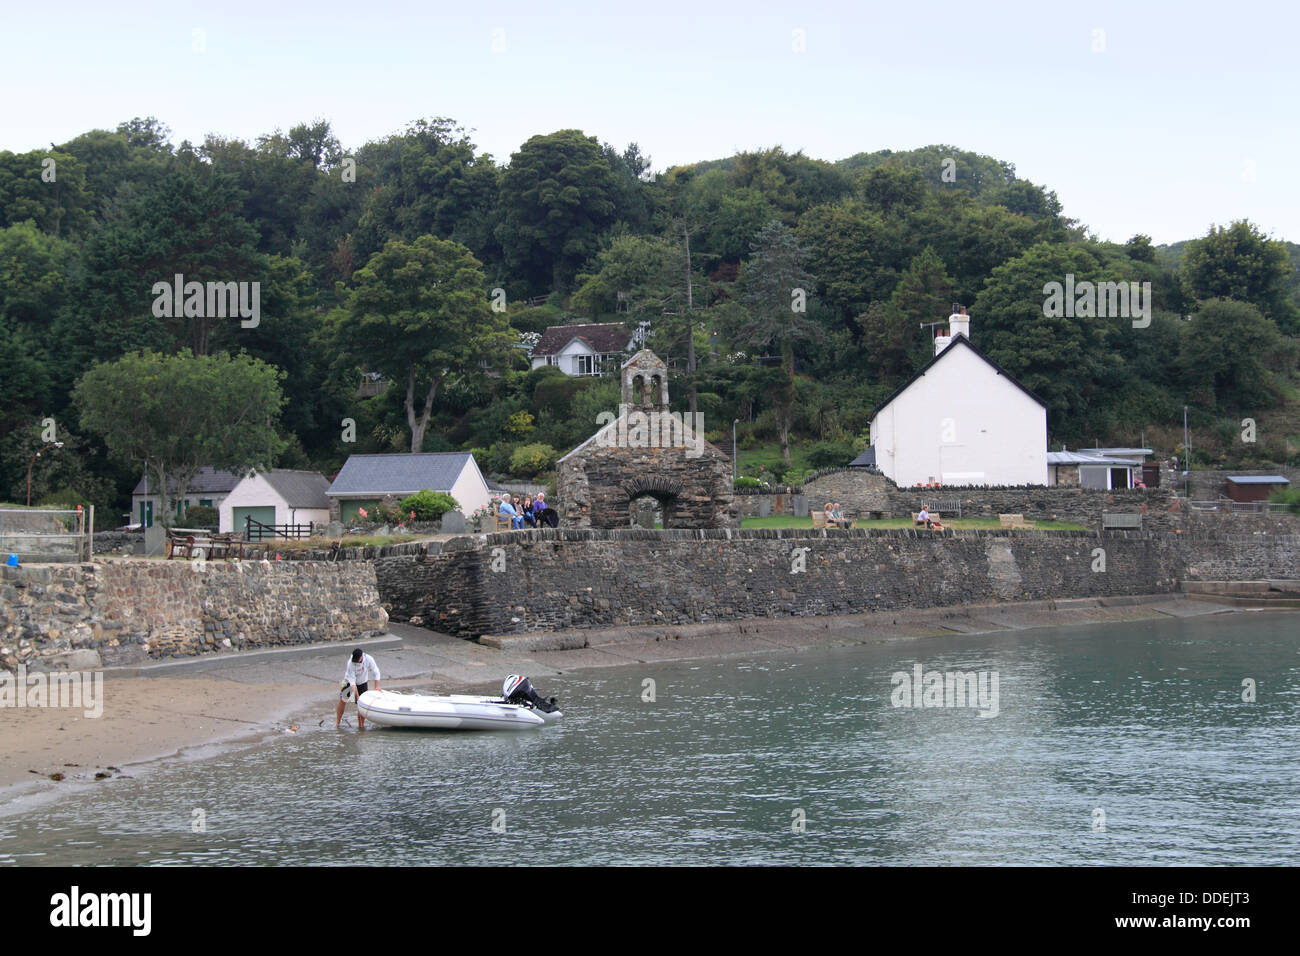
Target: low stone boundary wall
x=126, y=611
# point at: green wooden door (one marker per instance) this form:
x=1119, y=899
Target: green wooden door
x=265, y=514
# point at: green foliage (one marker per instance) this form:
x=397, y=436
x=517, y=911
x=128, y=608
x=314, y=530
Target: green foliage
x=529, y=461
x=428, y=505
x=1240, y=262
x=825, y=454
x=744, y=481
x=201, y=516
x=1228, y=353
x=175, y=414
x=557, y=196
x=419, y=313
x=1289, y=496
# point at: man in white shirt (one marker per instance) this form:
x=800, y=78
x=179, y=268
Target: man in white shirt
x=361, y=670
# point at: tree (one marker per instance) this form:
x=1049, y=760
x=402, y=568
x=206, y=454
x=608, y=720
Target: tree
x=419, y=314
x=186, y=221
x=892, y=330
x=1240, y=262
x=1226, y=353
x=1060, y=359
x=174, y=414
x=47, y=187
x=557, y=197
x=774, y=292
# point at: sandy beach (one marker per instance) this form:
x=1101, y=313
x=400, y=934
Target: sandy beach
x=162, y=710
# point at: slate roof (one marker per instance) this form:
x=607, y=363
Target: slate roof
x=866, y=460
x=959, y=341
x=1259, y=480
x=207, y=481
x=603, y=338
x=299, y=489
x=399, y=474
x=1076, y=458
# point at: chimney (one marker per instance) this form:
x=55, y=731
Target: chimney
x=942, y=341
x=959, y=322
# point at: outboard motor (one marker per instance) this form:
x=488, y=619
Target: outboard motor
x=519, y=690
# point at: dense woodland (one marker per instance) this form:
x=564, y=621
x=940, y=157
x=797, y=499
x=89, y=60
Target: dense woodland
x=786, y=291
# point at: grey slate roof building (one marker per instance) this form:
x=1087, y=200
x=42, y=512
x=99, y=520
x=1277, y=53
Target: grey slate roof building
x=379, y=475
x=207, y=481
x=300, y=489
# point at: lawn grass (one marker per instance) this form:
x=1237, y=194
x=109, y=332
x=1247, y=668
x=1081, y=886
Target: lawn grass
x=959, y=524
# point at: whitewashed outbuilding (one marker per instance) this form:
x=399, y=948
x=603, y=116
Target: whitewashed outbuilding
x=279, y=497
x=961, y=420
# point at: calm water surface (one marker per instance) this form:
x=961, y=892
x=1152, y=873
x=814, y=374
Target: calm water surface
x=1142, y=723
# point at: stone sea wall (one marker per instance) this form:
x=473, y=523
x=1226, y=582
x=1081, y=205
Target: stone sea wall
x=126, y=611
x=574, y=578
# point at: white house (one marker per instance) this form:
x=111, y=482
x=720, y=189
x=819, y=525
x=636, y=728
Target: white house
x=208, y=488
x=961, y=420
x=365, y=480
x=584, y=349
x=277, y=497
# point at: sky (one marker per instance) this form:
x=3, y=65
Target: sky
x=1161, y=118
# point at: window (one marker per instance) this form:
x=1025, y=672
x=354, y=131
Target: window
x=205, y=502
x=586, y=365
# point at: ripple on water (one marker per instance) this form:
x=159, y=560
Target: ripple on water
x=784, y=760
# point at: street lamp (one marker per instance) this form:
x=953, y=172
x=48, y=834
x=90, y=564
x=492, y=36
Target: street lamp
x=57, y=444
x=734, y=422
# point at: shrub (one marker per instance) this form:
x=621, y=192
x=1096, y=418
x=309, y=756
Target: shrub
x=427, y=505
x=529, y=461
x=745, y=481
x=829, y=454
x=201, y=516
x=1289, y=497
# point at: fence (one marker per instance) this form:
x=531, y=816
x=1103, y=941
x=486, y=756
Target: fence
x=254, y=530
x=1227, y=506
x=46, y=535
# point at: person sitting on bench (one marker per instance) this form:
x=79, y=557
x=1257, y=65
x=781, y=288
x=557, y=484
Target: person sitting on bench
x=923, y=518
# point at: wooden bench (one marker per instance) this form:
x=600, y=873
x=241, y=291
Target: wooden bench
x=189, y=543
x=1015, y=522
x=505, y=522
x=819, y=520
x=917, y=522
x=1121, y=520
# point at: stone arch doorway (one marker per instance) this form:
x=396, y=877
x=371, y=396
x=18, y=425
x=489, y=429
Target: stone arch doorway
x=662, y=492
x=648, y=509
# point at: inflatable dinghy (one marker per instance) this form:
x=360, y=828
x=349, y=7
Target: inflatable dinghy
x=519, y=708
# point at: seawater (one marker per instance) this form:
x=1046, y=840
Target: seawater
x=1116, y=744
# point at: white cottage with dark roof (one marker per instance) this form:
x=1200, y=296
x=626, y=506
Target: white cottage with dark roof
x=961, y=420
x=590, y=349
x=365, y=480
